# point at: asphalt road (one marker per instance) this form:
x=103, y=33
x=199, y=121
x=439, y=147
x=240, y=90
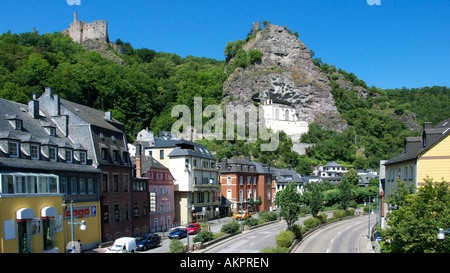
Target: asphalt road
x=346, y=236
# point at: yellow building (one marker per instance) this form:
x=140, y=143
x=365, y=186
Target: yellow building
x=422, y=157
x=41, y=172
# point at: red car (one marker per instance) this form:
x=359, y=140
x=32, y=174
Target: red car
x=193, y=228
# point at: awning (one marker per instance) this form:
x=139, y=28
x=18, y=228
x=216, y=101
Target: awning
x=24, y=214
x=48, y=212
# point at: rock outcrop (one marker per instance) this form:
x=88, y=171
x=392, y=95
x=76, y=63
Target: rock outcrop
x=286, y=74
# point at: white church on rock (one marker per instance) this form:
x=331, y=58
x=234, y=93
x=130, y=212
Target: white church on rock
x=280, y=117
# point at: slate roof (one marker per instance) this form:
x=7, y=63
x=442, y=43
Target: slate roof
x=33, y=131
x=281, y=175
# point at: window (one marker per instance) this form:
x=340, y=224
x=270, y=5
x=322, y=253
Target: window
x=161, y=207
x=116, y=155
x=249, y=180
x=116, y=182
x=69, y=157
x=32, y=184
x=52, y=153
x=406, y=172
x=7, y=184
x=43, y=185
x=21, y=186
x=126, y=212
x=18, y=124
x=229, y=180
x=34, y=151
x=412, y=172
x=116, y=213
x=254, y=180
x=53, y=184
x=229, y=193
x=144, y=209
x=161, y=154
x=106, y=213
x=13, y=148
x=241, y=195
x=63, y=185
x=105, y=182
x=90, y=186
x=104, y=154
x=241, y=180
x=82, y=186
x=168, y=207
x=52, y=131
x=136, y=210
x=249, y=194
x=126, y=183
x=73, y=186
x=83, y=158
x=268, y=195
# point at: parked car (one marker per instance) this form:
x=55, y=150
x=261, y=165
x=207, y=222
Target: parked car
x=123, y=245
x=178, y=233
x=146, y=241
x=194, y=228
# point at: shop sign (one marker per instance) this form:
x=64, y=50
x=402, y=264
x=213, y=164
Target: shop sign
x=81, y=212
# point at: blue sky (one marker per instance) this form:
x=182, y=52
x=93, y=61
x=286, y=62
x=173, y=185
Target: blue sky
x=400, y=43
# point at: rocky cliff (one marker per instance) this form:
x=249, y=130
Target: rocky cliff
x=287, y=75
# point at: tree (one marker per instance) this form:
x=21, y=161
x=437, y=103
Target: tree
x=352, y=177
x=289, y=201
x=414, y=224
x=316, y=200
x=346, y=192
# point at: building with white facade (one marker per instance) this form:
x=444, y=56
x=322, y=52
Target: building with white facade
x=281, y=117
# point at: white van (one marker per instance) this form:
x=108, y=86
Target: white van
x=123, y=245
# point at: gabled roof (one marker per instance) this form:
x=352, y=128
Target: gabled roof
x=414, y=146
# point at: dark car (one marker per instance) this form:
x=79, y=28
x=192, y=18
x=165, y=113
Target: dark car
x=178, y=233
x=146, y=241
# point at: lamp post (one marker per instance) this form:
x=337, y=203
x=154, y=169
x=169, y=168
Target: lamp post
x=187, y=225
x=72, y=223
x=441, y=234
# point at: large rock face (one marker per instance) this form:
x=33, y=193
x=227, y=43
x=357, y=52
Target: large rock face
x=287, y=75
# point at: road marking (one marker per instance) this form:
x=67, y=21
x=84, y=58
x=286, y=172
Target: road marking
x=332, y=241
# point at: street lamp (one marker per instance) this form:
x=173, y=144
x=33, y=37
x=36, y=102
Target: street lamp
x=72, y=223
x=441, y=234
x=187, y=225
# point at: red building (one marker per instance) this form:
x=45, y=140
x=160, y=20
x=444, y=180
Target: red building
x=242, y=180
x=160, y=194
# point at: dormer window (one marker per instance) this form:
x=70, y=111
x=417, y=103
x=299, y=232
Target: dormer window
x=52, y=153
x=18, y=124
x=34, y=151
x=52, y=131
x=69, y=156
x=83, y=159
x=13, y=149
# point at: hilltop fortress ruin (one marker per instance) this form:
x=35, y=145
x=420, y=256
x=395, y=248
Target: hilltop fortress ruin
x=81, y=31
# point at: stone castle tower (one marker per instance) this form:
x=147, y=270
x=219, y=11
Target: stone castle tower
x=81, y=31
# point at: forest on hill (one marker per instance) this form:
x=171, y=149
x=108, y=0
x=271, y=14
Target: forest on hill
x=142, y=92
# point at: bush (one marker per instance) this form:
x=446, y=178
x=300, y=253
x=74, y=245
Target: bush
x=322, y=218
x=297, y=230
x=311, y=223
x=231, y=227
x=176, y=246
x=338, y=214
x=250, y=221
x=285, y=238
x=204, y=236
x=275, y=250
x=267, y=216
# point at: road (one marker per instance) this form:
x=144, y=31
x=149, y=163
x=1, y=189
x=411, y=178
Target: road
x=347, y=236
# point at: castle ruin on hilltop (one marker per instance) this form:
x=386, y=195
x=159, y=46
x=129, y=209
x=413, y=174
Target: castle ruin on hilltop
x=81, y=31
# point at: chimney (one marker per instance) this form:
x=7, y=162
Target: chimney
x=247, y=157
x=289, y=167
x=108, y=115
x=427, y=125
x=138, y=161
x=33, y=107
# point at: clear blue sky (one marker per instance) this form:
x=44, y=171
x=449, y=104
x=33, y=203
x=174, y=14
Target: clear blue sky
x=400, y=43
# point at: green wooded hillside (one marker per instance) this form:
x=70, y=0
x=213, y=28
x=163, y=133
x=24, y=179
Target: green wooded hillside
x=142, y=92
